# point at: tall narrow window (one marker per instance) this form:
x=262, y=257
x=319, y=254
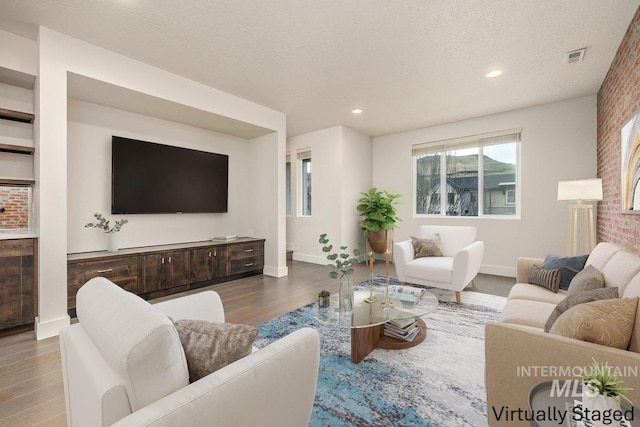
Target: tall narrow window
x=305, y=179
x=287, y=178
x=469, y=176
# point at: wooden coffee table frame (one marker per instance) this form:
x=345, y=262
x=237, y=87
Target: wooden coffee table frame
x=365, y=339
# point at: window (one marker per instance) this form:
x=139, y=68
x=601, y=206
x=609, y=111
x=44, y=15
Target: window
x=287, y=178
x=305, y=179
x=478, y=174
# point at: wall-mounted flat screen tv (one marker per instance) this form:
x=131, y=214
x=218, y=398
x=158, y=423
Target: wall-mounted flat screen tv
x=150, y=178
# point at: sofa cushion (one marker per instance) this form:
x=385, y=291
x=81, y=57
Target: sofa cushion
x=440, y=268
x=587, y=279
x=621, y=268
x=526, y=312
x=630, y=291
x=426, y=246
x=136, y=340
x=549, y=279
x=569, y=266
x=579, y=298
x=536, y=293
x=210, y=346
x=606, y=322
x=601, y=254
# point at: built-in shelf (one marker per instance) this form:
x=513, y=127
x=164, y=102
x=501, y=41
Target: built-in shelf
x=19, y=149
x=16, y=116
x=630, y=212
x=17, y=182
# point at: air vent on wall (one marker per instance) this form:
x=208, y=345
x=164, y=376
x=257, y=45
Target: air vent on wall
x=575, y=56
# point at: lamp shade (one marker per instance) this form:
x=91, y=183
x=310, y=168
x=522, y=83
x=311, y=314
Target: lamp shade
x=580, y=189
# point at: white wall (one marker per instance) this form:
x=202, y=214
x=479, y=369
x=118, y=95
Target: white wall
x=558, y=142
x=89, y=132
x=18, y=53
x=341, y=169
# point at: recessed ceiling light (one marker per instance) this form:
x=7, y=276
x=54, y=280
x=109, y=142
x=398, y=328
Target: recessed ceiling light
x=494, y=73
x=356, y=111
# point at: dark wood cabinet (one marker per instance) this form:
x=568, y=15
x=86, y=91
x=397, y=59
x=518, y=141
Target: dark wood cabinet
x=17, y=282
x=162, y=270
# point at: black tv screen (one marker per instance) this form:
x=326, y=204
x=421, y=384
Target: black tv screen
x=149, y=178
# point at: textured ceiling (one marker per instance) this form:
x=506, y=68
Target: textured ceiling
x=406, y=63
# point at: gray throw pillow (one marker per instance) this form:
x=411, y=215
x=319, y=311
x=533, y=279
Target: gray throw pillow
x=549, y=279
x=577, y=299
x=209, y=346
x=588, y=279
x=426, y=246
x=569, y=266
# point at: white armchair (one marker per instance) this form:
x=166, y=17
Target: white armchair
x=457, y=267
x=123, y=365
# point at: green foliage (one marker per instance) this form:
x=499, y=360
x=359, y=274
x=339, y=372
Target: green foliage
x=378, y=210
x=341, y=261
x=324, y=294
x=103, y=224
x=601, y=381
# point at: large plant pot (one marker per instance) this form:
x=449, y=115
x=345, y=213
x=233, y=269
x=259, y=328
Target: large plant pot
x=378, y=241
x=597, y=405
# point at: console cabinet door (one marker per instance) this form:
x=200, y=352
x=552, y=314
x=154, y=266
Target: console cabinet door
x=17, y=282
x=152, y=273
x=178, y=270
x=205, y=263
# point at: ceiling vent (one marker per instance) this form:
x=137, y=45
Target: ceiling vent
x=575, y=56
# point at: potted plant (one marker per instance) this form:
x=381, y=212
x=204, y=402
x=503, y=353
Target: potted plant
x=105, y=225
x=601, y=391
x=380, y=215
x=341, y=265
x=323, y=298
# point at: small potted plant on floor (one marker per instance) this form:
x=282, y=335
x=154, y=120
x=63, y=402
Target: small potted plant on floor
x=601, y=391
x=323, y=298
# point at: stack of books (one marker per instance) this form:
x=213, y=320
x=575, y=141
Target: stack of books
x=405, y=329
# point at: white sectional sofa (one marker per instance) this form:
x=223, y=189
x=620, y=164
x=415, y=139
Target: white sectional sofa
x=124, y=365
x=519, y=340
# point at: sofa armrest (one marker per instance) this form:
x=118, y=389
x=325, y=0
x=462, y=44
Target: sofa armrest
x=403, y=253
x=524, y=266
x=273, y=386
x=201, y=306
x=466, y=264
x=519, y=357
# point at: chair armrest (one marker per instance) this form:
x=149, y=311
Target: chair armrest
x=524, y=266
x=466, y=264
x=519, y=357
x=273, y=386
x=403, y=253
x=201, y=306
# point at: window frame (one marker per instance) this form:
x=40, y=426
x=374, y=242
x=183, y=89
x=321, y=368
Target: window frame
x=304, y=156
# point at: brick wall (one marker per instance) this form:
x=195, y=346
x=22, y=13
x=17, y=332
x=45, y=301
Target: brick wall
x=15, y=201
x=618, y=101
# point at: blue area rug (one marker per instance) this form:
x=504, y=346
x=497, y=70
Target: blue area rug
x=439, y=382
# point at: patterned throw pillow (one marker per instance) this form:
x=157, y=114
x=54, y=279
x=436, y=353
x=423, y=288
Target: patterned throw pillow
x=606, y=322
x=588, y=279
x=209, y=346
x=579, y=298
x=427, y=246
x=549, y=279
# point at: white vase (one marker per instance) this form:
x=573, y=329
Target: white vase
x=346, y=296
x=597, y=404
x=112, y=242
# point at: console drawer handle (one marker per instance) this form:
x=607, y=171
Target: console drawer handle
x=248, y=250
x=248, y=265
x=108, y=270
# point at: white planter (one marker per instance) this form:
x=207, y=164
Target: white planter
x=112, y=242
x=596, y=404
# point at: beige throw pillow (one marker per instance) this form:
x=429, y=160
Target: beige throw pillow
x=210, y=346
x=427, y=246
x=579, y=298
x=606, y=322
x=586, y=280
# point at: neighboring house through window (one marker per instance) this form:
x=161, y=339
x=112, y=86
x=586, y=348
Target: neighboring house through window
x=304, y=157
x=479, y=175
x=287, y=178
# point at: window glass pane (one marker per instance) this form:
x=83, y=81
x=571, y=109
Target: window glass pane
x=462, y=182
x=306, y=186
x=428, y=184
x=500, y=179
x=287, y=178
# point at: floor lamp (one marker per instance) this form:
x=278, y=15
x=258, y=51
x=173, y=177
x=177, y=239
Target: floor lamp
x=581, y=238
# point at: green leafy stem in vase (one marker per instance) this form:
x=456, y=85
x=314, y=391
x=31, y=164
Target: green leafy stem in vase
x=341, y=262
x=104, y=224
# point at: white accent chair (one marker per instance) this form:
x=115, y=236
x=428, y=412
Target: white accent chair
x=123, y=365
x=457, y=267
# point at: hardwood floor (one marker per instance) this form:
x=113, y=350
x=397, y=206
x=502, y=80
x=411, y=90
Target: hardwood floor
x=31, y=390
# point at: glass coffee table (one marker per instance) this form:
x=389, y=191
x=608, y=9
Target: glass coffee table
x=368, y=318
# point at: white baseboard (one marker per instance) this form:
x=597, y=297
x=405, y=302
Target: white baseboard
x=275, y=271
x=51, y=328
x=313, y=259
x=497, y=270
